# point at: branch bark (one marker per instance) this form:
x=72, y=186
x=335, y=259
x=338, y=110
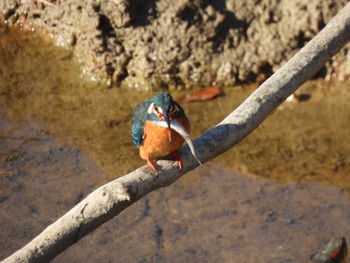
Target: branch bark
x=110, y=199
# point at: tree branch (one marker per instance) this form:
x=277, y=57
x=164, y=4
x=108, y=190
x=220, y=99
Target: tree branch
x=110, y=199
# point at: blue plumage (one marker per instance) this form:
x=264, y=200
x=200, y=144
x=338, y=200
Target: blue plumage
x=140, y=115
x=138, y=121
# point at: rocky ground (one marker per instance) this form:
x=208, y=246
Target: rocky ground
x=183, y=44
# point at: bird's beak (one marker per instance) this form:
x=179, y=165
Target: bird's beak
x=176, y=126
x=167, y=120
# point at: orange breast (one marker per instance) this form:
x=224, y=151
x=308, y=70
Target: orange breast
x=156, y=142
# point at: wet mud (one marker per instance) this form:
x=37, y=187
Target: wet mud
x=179, y=44
x=40, y=179
x=61, y=137
x=216, y=215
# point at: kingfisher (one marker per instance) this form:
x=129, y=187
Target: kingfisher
x=159, y=128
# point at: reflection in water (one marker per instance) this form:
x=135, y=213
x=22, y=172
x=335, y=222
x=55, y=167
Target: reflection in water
x=303, y=141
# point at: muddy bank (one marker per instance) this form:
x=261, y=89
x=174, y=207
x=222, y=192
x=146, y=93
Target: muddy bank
x=157, y=44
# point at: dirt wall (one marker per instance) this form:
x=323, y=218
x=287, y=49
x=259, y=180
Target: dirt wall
x=183, y=44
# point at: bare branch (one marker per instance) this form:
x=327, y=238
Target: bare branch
x=110, y=199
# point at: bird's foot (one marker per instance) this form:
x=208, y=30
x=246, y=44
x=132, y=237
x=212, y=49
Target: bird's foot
x=178, y=159
x=152, y=164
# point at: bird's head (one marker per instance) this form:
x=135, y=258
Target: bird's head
x=164, y=108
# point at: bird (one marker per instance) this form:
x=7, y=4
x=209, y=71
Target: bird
x=152, y=132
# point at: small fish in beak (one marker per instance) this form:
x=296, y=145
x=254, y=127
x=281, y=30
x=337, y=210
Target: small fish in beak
x=167, y=120
x=176, y=126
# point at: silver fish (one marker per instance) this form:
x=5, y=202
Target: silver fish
x=176, y=126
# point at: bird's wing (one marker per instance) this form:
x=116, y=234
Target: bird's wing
x=138, y=122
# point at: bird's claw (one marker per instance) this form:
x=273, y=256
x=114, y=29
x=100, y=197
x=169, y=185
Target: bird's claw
x=178, y=159
x=152, y=165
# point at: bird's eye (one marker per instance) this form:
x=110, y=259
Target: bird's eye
x=156, y=109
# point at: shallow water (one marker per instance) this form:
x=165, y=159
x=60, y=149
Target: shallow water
x=61, y=137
